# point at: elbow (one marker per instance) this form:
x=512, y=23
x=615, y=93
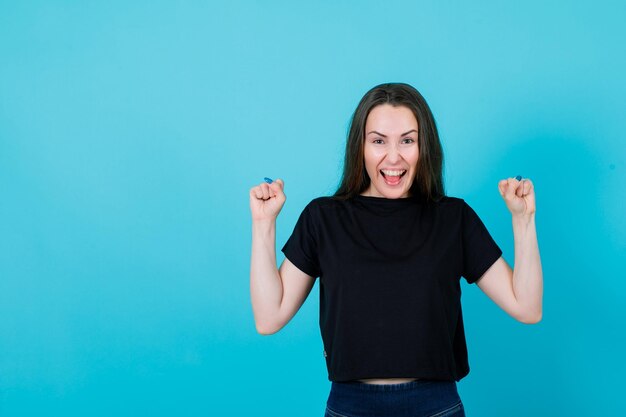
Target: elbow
x=268, y=324
x=532, y=319
x=266, y=330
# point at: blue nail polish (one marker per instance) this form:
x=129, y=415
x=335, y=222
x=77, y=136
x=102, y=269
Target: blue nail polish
x=268, y=180
x=519, y=178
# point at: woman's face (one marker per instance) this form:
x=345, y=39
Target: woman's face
x=390, y=151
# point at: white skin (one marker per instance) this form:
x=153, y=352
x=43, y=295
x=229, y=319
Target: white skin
x=390, y=144
x=278, y=294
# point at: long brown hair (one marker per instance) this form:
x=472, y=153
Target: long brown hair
x=429, y=175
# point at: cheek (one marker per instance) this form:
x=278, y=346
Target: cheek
x=374, y=155
x=370, y=168
x=371, y=158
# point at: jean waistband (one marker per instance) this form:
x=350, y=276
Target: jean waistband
x=362, y=386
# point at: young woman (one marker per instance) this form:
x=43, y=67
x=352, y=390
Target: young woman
x=390, y=248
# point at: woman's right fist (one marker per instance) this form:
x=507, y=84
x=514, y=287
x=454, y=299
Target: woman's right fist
x=266, y=200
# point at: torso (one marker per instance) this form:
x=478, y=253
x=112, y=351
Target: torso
x=387, y=381
x=343, y=241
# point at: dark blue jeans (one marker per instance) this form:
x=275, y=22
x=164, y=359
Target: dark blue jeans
x=427, y=398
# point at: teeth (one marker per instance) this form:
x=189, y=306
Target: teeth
x=390, y=173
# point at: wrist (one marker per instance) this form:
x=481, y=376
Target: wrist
x=523, y=220
x=264, y=225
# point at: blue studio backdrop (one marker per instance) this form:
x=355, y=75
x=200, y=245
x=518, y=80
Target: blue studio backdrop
x=131, y=133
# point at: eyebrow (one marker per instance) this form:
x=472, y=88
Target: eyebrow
x=384, y=136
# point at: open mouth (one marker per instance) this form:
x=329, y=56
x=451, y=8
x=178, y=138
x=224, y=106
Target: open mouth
x=390, y=173
x=392, y=177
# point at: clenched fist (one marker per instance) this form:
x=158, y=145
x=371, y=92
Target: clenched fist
x=519, y=196
x=266, y=200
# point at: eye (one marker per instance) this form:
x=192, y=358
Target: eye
x=408, y=140
x=377, y=141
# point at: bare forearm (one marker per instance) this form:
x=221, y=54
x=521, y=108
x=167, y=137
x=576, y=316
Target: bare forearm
x=266, y=288
x=527, y=273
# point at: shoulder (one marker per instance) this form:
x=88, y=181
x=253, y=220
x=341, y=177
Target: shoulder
x=449, y=200
x=325, y=207
x=451, y=203
x=315, y=206
x=323, y=200
x=451, y=208
x=320, y=203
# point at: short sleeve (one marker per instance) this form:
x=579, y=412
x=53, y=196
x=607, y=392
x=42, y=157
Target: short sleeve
x=480, y=251
x=301, y=247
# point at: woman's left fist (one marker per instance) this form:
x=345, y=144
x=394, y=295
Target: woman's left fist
x=519, y=196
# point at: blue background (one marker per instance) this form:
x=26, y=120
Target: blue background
x=130, y=135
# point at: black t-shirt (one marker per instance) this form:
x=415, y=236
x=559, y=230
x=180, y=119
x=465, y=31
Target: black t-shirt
x=390, y=294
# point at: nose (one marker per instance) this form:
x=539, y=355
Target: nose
x=393, y=154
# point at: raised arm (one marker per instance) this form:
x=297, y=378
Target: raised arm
x=518, y=291
x=276, y=295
